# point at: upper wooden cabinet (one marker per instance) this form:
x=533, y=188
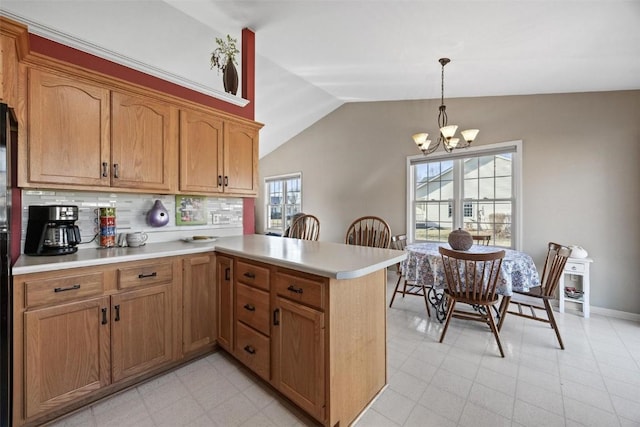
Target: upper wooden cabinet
x=83, y=135
x=14, y=41
x=217, y=155
x=69, y=132
x=240, y=159
x=144, y=143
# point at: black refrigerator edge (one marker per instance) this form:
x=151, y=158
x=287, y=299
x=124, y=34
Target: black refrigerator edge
x=8, y=137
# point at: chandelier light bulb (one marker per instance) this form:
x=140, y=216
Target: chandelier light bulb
x=420, y=138
x=469, y=135
x=448, y=131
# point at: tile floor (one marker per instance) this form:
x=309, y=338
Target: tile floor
x=462, y=382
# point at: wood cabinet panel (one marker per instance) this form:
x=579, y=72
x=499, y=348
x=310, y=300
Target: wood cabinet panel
x=141, y=330
x=224, y=279
x=253, y=349
x=61, y=340
x=252, y=274
x=144, y=143
x=60, y=289
x=199, y=319
x=152, y=273
x=252, y=307
x=201, y=168
x=69, y=130
x=240, y=159
x=299, y=357
x=301, y=289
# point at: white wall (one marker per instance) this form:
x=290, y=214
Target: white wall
x=580, y=172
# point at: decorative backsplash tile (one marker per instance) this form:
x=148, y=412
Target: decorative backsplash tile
x=223, y=214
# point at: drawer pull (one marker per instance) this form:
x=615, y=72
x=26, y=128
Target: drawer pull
x=70, y=288
x=249, y=307
x=294, y=289
x=249, y=349
x=105, y=169
x=116, y=172
x=250, y=275
x=144, y=276
x=276, y=316
x=219, y=180
x=104, y=316
x=117, y=318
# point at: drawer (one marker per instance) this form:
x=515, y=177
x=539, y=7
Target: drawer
x=141, y=275
x=252, y=307
x=252, y=274
x=62, y=289
x=574, y=267
x=301, y=289
x=252, y=349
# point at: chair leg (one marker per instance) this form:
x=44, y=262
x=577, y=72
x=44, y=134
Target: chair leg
x=494, y=329
x=552, y=320
x=426, y=300
x=504, y=306
x=452, y=304
x=395, y=291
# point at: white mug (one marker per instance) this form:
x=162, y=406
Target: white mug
x=136, y=239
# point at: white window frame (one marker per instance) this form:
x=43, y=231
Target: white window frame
x=282, y=178
x=516, y=225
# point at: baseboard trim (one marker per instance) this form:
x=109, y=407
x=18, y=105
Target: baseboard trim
x=625, y=315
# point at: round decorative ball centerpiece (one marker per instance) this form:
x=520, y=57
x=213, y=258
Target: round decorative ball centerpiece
x=460, y=240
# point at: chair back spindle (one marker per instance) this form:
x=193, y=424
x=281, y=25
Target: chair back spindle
x=369, y=231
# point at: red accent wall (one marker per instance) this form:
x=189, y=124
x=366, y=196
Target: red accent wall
x=92, y=62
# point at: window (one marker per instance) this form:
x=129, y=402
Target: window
x=475, y=189
x=284, y=199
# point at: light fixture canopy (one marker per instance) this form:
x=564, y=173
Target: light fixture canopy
x=447, y=132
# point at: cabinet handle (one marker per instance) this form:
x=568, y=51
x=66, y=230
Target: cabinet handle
x=145, y=276
x=250, y=275
x=294, y=289
x=104, y=316
x=117, y=318
x=249, y=307
x=227, y=273
x=70, y=288
x=226, y=181
x=116, y=174
x=105, y=169
x=249, y=349
x=276, y=316
x=219, y=180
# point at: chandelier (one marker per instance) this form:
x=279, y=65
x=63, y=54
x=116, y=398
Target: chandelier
x=447, y=132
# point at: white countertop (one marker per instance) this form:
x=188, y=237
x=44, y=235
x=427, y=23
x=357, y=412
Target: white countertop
x=333, y=260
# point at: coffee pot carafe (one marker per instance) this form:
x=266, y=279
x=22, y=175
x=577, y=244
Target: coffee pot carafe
x=51, y=230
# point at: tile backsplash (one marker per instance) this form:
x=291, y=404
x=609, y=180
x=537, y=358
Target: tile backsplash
x=223, y=214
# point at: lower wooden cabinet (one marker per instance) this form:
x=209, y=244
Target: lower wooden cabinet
x=299, y=362
x=224, y=274
x=80, y=334
x=72, y=337
x=141, y=334
x=199, y=320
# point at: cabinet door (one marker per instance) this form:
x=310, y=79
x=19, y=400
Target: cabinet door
x=240, y=159
x=200, y=152
x=224, y=275
x=298, y=351
x=66, y=353
x=68, y=131
x=198, y=303
x=144, y=143
x=141, y=330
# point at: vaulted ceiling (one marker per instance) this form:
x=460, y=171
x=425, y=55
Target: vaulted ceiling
x=314, y=55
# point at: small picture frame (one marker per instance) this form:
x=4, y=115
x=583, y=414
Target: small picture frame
x=191, y=210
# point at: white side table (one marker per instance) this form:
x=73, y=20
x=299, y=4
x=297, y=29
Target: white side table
x=576, y=267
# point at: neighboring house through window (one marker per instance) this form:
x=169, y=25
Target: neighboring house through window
x=477, y=189
x=284, y=199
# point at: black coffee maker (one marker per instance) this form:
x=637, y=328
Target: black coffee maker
x=51, y=230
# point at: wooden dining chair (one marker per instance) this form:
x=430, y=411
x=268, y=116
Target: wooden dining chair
x=305, y=227
x=472, y=278
x=481, y=239
x=369, y=231
x=399, y=242
x=553, y=269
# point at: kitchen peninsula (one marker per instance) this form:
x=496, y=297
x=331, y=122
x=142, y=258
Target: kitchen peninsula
x=307, y=317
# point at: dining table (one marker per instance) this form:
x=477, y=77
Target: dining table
x=424, y=267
